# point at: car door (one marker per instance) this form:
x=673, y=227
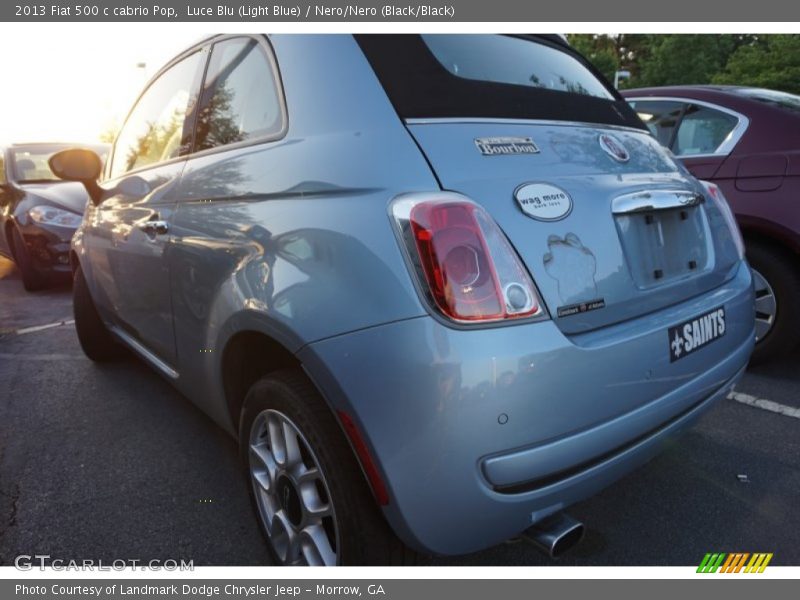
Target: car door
x=128, y=234
x=705, y=138
x=241, y=114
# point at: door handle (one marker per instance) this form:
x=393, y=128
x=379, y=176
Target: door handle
x=654, y=200
x=155, y=227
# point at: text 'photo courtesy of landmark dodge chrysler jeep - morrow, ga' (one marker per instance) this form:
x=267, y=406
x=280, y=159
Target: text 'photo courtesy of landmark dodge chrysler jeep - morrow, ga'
x=440, y=287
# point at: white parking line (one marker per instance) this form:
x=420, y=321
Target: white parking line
x=769, y=405
x=42, y=357
x=25, y=330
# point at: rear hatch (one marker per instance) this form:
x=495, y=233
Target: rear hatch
x=637, y=237
x=618, y=229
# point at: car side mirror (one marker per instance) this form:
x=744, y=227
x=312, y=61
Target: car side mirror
x=79, y=164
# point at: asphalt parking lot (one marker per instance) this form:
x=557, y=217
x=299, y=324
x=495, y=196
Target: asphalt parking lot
x=110, y=462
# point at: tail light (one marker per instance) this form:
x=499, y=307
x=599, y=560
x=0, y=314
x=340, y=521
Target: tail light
x=465, y=264
x=719, y=200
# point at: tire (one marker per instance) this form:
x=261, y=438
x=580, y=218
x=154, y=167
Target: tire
x=777, y=301
x=32, y=280
x=348, y=527
x=95, y=339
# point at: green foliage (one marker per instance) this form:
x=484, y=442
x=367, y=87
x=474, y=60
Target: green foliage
x=771, y=61
x=685, y=59
x=601, y=50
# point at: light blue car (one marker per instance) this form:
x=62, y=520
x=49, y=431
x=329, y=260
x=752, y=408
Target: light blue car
x=439, y=287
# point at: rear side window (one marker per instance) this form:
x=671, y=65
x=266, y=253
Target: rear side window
x=660, y=116
x=240, y=98
x=156, y=129
x=491, y=76
x=515, y=61
x=702, y=131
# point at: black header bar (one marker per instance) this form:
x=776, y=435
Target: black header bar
x=321, y=11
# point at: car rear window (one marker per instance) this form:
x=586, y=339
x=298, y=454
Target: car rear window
x=504, y=59
x=491, y=76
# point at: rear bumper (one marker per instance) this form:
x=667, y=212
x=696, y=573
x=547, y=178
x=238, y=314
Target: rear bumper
x=480, y=433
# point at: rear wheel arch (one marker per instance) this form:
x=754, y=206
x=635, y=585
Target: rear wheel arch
x=776, y=244
x=778, y=303
x=248, y=356
x=778, y=238
x=361, y=532
x=251, y=355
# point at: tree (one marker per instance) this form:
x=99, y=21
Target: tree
x=673, y=59
x=610, y=53
x=686, y=59
x=634, y=51
x=109, y=134
x=601, y=50
x=769, y=61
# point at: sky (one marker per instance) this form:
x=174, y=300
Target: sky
x=70, y=84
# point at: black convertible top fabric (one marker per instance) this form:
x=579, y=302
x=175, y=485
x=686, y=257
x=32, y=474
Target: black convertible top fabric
x=419, y=86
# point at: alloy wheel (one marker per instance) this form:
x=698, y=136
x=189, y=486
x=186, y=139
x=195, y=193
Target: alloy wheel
x=766, y=306
x=291, y=493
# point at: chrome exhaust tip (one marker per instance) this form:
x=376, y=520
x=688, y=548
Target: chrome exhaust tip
x=555, y=534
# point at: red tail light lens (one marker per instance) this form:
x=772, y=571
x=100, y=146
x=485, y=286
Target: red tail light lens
x=724, y=208
x=470, y=270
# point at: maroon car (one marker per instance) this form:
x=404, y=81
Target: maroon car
x=747, y=141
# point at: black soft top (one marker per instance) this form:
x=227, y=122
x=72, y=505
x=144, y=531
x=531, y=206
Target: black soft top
x=419, y=86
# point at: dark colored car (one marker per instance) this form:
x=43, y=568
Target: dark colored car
x=747, y=141
x=38, y=212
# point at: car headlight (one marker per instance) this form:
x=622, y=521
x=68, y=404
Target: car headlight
x=50, y=215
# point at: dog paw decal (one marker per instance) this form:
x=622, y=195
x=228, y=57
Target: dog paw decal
x=573, y=266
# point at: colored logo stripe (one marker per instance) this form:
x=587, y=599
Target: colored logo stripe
x=758, y=563
x=734, y=562
x=711, y=563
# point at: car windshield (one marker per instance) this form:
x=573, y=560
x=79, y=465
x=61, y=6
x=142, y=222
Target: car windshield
x=779, y=99
x=30, y=164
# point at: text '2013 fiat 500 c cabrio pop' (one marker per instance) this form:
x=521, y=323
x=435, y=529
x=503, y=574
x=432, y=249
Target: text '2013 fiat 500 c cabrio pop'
x=440, y=287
